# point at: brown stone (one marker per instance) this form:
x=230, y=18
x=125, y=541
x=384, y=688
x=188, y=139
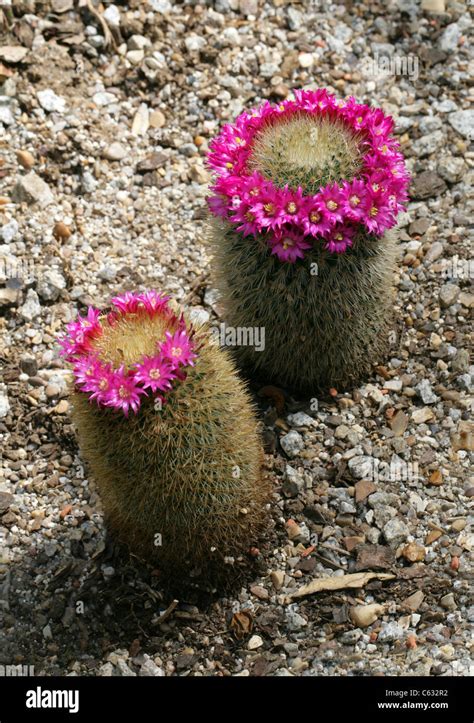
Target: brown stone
x=25, y=159
x=65, y=511
x=399, y=423
x=464, y=438
x=61, y=232
x=6, y=498
x=413, y=602
x=352, y=542
x=419, y=226
x=260, y=592
x=426, y=185
x=374, y=557
x=413, y=552
x=363, y=489
x=436, y=478
x=432, y=536
x=152, y=162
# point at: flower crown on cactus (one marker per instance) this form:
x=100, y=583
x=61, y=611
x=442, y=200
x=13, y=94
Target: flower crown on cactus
x=122, y=387
x=310, y=168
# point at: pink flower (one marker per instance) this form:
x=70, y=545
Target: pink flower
x=268, y=209
x=218, y=205
x=353, y=197
x=230, y=185
x=90, y=323
x=123, y=392
x=246, y=219
x=330, y=200
x=373, y=162
x=154, y=373
x=340, y=239
x=87, y=370
x=291, y=203
x=80, y=334
x=112, y=317
x=378, y=214
x=127, y=303
x=254, y=205
x=123, y=388
x=378, y=183
x=288, y=245
x=315, y=220
x=399, y=182
x=101, y=384
x=150, y=301
x=225, y=158
x=178, y=349
x=252, y=186
x=153, y=302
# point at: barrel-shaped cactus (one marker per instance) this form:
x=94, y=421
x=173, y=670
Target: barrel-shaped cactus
x=169, y=434
x=304, y=194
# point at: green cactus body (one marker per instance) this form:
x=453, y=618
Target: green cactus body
x=181, y=482
x=306, y=193
x=326, y=318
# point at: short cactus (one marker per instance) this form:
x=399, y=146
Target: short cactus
x=169, y=434
x=305, y=193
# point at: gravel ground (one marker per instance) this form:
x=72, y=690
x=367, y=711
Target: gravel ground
x=105, y=121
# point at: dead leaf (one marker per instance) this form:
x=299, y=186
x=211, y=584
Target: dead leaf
x=409, y=573
x=356, y=579
x=383, y=371
x=308, y=551
x=166, y=613
x=241, y=624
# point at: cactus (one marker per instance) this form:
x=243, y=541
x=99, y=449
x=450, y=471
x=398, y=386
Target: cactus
x=305, y=194
x=169, y=434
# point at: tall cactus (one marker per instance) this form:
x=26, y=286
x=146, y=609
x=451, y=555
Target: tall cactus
x=304, y=195
x=168, y=432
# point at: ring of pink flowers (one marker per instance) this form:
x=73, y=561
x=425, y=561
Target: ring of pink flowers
x=90, y=327
x=382, y=162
